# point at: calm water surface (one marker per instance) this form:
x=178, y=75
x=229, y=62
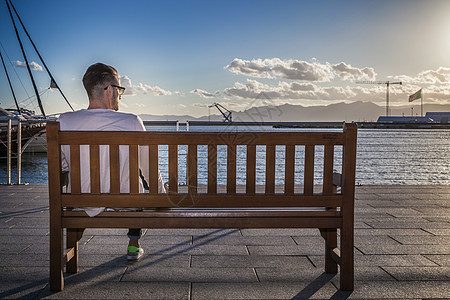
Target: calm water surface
x=396, y=156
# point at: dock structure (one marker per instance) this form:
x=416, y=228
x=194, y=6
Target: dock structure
x=402, y=242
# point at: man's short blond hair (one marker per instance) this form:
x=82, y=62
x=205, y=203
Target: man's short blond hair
x=97, y=77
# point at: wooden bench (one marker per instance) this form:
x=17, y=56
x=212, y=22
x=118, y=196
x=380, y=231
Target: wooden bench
x=251, y=208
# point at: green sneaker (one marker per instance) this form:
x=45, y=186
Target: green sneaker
x=134, y=253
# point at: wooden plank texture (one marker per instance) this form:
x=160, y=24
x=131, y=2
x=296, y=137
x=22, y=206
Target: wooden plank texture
x=94, y=156
x=270, y=169
x=114, y=169
x=153, y=168
x=231, y=169
x=251, y=170
x=201, y=138
x=192, y=169
x=309, y=170
x=173, y=169
x=212, y=169
x=328, y=170
x=134, y=168
x=289, y=168
x=75, y=179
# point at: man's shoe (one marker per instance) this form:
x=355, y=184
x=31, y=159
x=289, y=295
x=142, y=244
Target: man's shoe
x=134, y=253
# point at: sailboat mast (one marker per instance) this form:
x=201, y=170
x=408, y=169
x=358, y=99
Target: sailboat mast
x=40, y=57
x=26, y=62
x=10, y=85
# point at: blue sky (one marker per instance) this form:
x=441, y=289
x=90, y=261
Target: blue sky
x=177, y=57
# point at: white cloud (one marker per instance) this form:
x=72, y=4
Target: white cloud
x=204, y=94
x=132, y=90
x=439, y=76
x=33, y=65
x=202, y=105
x=347, y=72
x=298, y=70
x=306, y=91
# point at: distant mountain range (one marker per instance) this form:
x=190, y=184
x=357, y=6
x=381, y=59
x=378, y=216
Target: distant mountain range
x=356, y=111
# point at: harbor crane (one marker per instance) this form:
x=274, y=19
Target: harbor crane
x=227, y=114
x=387, y=83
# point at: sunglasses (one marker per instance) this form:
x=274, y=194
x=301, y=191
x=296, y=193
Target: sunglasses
x=120, y=88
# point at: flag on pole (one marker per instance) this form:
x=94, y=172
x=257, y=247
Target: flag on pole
x=53, y=84
x=415, y=96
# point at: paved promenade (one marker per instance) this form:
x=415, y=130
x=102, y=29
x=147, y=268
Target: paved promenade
x=402, y=250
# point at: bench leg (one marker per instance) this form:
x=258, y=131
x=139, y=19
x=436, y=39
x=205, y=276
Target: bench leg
x=56, y=259
x=330, y=236
x=73, y=236
x=347, y=261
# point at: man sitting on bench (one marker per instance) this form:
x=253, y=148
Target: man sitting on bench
x=102, y=85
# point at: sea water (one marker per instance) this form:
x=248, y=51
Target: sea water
x=384, y=157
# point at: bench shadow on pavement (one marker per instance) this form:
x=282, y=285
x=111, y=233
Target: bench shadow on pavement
x=91, y=275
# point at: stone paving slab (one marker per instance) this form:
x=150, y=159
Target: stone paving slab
x=419, y=273
x=251, y=261
x=124, y=290
x=394, y=260
x=294, y=275
x=23, y=289
x=401, y=290
x=428, y=240
x=93, y=260
x=189, y=274
x=319, y=288
x=401, y=251
x=303, y=249
x=441, y=260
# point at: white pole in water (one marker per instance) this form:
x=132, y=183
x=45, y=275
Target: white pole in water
x=178, y=125
x=187, y=125
x=8, y=154
x=19, y=151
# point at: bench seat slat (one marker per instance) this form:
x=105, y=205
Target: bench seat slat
x=216, y=212
x=202, y=200
x=202, y=222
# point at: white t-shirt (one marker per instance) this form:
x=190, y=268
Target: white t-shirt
x=104, y=120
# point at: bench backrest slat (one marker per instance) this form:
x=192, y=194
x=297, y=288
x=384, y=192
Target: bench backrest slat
x=309, y=170
x=212, y=169
x=251, y=170
x=75, y=176
x=289, y=167
x=173, y=169
x=134, y=169
x=192, y=177
x=328, y=170
x=153, y=154
x=94, y=156
x=114, y=171
x=231, y=169
x=270, y=169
